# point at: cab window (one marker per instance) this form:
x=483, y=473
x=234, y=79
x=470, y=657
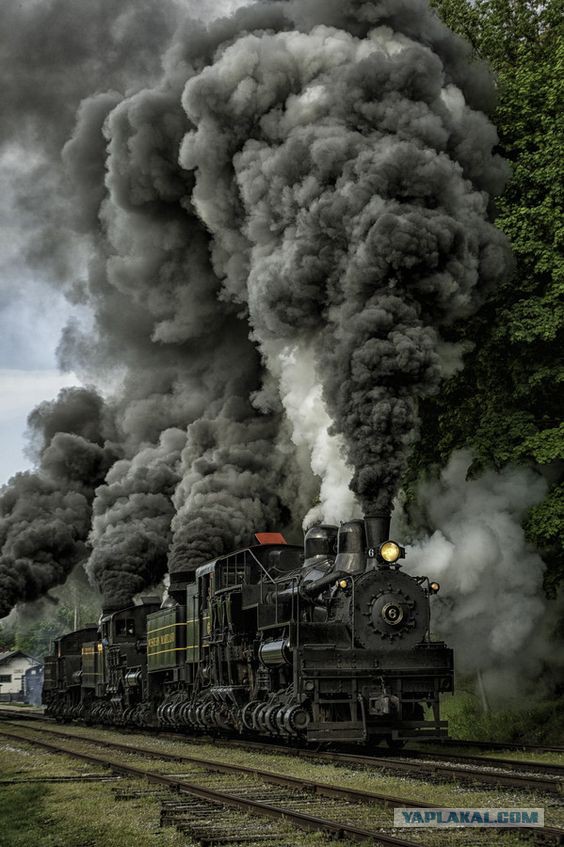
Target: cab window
x=125, y=627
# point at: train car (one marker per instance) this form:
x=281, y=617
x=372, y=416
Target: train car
x=62, y=675
x=329, y=642
x=99, y=673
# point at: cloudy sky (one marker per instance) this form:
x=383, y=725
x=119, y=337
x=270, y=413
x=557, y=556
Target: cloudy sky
x=32, y=315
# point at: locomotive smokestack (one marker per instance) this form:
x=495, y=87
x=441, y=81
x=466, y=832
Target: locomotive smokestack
x=377, y=529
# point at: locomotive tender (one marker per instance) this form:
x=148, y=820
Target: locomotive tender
x=329, y=642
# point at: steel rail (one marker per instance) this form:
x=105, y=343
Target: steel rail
x=449, y=770
x=496, y=745
x=446, y=771
x=399, y=763
x=553, y=834
x=256, y=807
x=443, y=742
x=12, y=714
x=508, y=764
x=324, y=789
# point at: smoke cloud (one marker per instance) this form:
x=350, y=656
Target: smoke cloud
x=45, y=516
x=131, y=520
x=491, y=607
x=338, y=175
x=275, y=221
x=230, y=483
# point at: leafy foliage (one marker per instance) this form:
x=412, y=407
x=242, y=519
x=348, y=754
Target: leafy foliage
x=506, y=403
x=532, y=723
x=7, y=638
x=35, y=638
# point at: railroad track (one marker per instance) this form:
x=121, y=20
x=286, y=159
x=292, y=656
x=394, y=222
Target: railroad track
x=520, y=775
x=12, y=714
x=502, y=772
x=497, y=745
x=507, y=764
x=203, y=825
x=321, y=788
x=259, y=802
x=540, y=776
x=506, y=777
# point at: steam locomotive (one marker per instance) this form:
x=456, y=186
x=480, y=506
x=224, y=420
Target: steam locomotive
x=325, y=643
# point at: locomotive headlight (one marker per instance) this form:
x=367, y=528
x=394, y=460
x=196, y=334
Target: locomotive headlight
x=390, y=551
x=434, y=587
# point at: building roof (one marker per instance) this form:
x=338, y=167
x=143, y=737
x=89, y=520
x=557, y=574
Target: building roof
x=11, y=654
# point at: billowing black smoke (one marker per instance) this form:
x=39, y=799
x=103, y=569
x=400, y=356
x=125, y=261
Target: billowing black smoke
x=131, y=520
x=45, y=516
x=300, y=177
x=345, y=181
x=231, y=480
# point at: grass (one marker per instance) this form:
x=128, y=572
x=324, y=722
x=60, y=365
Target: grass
x=71, y=814
x=439, y=793
x=30, y=797
x=541, y=723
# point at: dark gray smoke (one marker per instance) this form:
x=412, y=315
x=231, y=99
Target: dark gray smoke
x=345, y=179
x=299, y=176
x=45, y=516
x=231, y=480
x=131, y=520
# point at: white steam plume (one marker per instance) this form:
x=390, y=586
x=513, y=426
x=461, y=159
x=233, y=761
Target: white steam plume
x=491, y=607
x=301, y=393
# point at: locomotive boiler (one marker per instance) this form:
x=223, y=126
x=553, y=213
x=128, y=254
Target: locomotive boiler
x=329, y=642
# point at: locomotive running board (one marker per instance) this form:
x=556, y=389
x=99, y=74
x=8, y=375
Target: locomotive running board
x=337, y=731
x=355, y=730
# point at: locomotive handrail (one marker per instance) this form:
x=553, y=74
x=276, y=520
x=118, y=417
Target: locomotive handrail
x=261, y=566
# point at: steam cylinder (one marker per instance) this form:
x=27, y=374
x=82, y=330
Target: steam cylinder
x=275, y=653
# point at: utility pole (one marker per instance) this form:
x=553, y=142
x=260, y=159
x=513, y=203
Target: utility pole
x=482, y=691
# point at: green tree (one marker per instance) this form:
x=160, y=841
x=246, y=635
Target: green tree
x=7, y=638
x=506, y=404
x=36, y=639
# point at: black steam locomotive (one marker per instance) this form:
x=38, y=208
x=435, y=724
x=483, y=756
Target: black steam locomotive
x=326, y=643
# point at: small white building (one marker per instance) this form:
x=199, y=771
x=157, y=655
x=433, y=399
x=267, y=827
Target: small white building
x=13, y=665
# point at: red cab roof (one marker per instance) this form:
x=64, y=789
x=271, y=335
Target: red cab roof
x=270, y=538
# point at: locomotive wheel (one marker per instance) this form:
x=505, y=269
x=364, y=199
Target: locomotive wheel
x=191, y=718
x=279, y=718
x=269, y=719
x=258, y=718
x=207, y=715
x=247, y=714
x=296, y=720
